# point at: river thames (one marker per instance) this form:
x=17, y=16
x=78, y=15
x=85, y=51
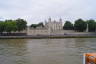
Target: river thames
x=45, y=51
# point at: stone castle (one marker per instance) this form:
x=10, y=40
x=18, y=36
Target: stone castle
x=54, y=25
x=50, y=27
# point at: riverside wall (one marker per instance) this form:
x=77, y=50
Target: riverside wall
x=47, y=32
x=37, y=31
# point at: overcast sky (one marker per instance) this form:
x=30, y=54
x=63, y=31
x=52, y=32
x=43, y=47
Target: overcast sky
x=35, y=11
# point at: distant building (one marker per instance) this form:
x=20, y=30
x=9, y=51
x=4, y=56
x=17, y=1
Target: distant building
x=50, y=27
x=37, y=31
x=54, y=25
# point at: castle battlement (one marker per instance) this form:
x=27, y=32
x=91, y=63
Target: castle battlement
x=50, y=27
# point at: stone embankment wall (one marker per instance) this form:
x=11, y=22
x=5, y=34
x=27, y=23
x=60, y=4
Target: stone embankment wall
x=44, y=31
x=37, y=32
x=62, y=31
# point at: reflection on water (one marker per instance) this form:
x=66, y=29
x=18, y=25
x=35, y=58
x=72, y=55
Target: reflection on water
x=45, y=51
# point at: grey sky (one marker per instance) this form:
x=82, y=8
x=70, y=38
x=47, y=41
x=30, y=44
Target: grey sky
x=35, y=11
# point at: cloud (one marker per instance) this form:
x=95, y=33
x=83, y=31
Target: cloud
x=35, y=11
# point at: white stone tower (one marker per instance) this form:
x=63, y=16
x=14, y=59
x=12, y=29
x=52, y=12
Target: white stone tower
x=60, y=24
x=49, y=20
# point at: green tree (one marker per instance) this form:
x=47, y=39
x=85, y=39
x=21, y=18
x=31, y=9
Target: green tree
x=37, y=25
x=68, y=26
x=14, y=26
x=21, y=24
x=40, y=24
x=80, y=25
x=33, y=25
x=10, y=26
x=91, y=25
x=2, y=26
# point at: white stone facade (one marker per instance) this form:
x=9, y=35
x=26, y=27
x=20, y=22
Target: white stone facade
x=51, y=27
x=38, y=31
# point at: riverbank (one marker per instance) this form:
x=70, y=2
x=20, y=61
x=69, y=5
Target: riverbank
x=47, y=36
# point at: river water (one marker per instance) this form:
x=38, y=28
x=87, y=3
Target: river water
x=45, y=51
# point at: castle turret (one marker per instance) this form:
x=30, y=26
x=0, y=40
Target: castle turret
x=60, y=23
x=49, y=20
x=60, y=20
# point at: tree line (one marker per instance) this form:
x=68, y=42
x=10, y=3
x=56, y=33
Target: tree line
x=37, y=25
x=12, y=25
x=80, y=25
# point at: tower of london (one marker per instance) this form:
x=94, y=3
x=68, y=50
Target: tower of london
x=54, y=25
x=50, y=27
